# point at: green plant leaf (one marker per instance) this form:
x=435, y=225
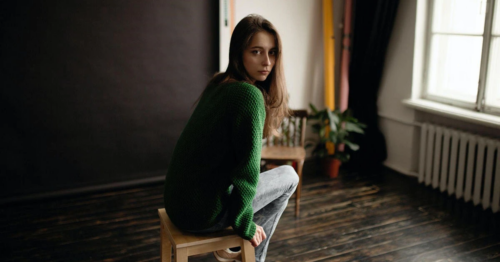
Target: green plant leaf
x=321, y=116
x=351, y=145
x=316, y=128
x=333, y=137
x=342, y=156
x=347, y=113
x=352, y=127
x=313, y=108
x=313, y=117
x=308, y=145
x=351, y=119
x=341, y=135
x=320, y=151
x=332, y=119
x=334, y=116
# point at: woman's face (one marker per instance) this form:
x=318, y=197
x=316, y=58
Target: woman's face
x=260, y=56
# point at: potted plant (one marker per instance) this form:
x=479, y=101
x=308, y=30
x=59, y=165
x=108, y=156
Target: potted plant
x=332, y=127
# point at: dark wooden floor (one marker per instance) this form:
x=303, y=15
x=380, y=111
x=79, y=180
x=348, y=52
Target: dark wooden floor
x=389, y=218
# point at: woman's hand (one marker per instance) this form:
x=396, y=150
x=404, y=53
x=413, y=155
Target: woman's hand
x=259, y=236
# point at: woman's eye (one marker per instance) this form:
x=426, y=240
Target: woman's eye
x=255, y=52
x=272, y=52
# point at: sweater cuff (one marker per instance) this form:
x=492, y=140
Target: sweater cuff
x=251, y=232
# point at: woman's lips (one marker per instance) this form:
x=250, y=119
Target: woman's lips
x=264, y=72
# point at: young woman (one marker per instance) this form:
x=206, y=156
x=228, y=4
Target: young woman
x=213, y=180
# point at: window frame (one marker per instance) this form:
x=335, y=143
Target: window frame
x=427, y=18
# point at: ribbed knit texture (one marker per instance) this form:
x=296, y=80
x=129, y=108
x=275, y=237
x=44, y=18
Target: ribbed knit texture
x=220, y=145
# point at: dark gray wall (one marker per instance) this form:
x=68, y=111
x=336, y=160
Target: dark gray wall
x=96, y=92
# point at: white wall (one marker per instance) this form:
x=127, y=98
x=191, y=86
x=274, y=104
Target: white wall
x=395, y=118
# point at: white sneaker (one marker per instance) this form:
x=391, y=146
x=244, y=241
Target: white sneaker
x=226, y=255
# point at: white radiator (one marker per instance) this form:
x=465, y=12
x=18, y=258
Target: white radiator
x=461, y=163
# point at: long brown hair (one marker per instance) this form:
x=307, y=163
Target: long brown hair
x=273, y=88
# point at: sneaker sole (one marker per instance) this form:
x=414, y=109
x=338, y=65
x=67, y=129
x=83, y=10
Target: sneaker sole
x=221, y=259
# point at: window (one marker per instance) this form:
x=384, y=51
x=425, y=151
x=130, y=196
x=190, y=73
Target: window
x=462, y=65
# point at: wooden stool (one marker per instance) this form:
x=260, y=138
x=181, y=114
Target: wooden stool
x=187, y=244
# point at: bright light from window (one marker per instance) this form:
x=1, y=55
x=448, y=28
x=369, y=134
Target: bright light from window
x=459, y=16
x=456, y=42
x=496, y=21
x=454, y=67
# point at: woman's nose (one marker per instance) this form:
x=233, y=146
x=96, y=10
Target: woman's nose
x=267, y=60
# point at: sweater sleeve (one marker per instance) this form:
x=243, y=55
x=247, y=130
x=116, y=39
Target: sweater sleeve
x=247, y=124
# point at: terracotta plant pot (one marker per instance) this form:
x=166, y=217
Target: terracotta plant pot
x=331, y=167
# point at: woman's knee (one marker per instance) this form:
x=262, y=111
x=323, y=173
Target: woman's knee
x=289, y=175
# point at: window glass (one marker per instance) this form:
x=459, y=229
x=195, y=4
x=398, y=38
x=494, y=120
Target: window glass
x=459, y=16
x=496, y=19
x=492, y=95
x=453, y=69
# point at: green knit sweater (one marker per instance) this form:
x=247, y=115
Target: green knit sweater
x=220, y=145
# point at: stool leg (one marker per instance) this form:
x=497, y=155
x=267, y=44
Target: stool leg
x=247, y=251
x=181, y=255
x=166, y=246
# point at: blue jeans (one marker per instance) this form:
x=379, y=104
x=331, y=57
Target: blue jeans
x=273, y=191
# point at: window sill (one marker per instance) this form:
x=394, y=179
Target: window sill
x=454, y=112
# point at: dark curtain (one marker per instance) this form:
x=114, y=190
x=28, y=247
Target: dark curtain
x=373, y=21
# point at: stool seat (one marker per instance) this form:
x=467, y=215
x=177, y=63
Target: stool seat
x=186, y=244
